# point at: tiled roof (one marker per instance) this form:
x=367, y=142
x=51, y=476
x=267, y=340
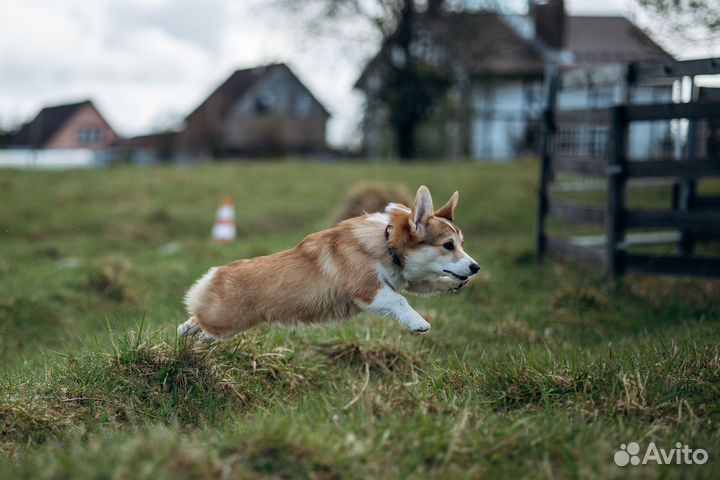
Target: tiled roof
x=602, y=40
x=38, y=131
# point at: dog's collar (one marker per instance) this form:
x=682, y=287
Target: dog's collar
x=393, y=255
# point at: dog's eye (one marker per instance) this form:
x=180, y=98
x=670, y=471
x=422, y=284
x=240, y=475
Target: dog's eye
x=449, y=246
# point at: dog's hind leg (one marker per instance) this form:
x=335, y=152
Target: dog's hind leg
x=190, y=327
x=207, y=338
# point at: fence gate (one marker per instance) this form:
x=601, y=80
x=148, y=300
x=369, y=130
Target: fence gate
x=652, y=201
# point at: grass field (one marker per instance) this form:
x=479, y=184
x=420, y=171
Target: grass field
x=535, y=371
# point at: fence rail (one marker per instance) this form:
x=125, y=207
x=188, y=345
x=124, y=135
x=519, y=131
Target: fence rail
x=688, y=68
x=580, y=166
x=671, y=265
x=681, y=220
x=670, y=111
x=593, y=115
x=674, y=168
x=580, y=253
x=577, y=212
x=694, y=217
x=709, y=202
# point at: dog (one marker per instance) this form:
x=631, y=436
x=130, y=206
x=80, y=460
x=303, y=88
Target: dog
x=361, y=265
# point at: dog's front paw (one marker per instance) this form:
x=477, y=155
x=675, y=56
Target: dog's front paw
x=419, y=325
x=448, y=284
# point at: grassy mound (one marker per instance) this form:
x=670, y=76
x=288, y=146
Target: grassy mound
x=369, y=198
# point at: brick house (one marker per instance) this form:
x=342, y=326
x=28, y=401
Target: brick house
x=257, y=111
x=70, y=126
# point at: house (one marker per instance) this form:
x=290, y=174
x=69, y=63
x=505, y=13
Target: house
x=257, y=111
x=498, y=65
x=70, y=126
x=147, y=149
x=708, y=134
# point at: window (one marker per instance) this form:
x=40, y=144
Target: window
x=534, y=97
x=582, y=140
x=601, y=96
x=89, y=135
x=302, y=105
x=264, y=103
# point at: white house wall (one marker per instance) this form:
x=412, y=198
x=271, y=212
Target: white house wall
x=51, y=159
x=649, y=139
x=645, y=140
x=502, y=109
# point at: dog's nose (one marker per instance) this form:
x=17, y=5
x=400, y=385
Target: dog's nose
x=474, y=268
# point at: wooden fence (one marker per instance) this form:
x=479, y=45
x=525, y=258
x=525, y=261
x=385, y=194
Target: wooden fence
x=693, y=217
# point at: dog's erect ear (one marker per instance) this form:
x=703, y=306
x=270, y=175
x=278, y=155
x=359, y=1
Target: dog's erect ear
x=421, y=212
x=448, y=211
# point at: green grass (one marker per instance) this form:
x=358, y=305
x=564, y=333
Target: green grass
x=533, y=371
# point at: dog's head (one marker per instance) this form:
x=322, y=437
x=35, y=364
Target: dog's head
x=427, y=243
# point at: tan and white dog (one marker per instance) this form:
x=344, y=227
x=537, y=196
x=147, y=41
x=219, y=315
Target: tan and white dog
x=361, y=265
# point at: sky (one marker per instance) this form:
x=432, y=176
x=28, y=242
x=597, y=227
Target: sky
x=147, y=63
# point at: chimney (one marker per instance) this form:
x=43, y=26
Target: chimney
x=549, y=20
x=435, y=7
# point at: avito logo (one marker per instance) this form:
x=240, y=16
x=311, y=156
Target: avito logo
x=680, y=455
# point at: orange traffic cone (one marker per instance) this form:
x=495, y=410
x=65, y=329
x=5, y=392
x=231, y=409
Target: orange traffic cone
x=224, y=228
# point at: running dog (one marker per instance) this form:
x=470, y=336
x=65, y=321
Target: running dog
x=361, y=265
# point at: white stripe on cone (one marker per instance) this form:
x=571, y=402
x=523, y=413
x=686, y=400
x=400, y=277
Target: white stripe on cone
x=224, y=228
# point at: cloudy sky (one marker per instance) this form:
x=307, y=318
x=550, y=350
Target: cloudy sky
x=146, y=63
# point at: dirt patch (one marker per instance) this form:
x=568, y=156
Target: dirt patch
x=185, y=374
x=369, y=198
x=697, y=295
x=526, y=257
x=22, y=421
x=278, y=367
x=380, y=358
x=110, y=279
x=531, y=388
x=578, y=298
x=287, y=460
x=159, y=215
x=513, y=328
x=24, y=313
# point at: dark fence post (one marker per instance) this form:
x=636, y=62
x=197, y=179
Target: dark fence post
x=546, y=160
x=615, y=228
x=687, y=200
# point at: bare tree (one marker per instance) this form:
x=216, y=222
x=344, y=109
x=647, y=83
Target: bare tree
x=688, y=21
x=411, y=86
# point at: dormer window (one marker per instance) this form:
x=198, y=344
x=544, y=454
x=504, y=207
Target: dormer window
x=264, y=102
x=89, y=135
x=302, y=105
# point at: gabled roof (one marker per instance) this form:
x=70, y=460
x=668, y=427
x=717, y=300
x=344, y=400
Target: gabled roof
x=479, y=41
x=484, y=44
x=241, y=82
x=603, y=40
x=50, y=119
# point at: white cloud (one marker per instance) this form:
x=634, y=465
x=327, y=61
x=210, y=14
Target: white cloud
x=145, y=60
x=52, y=52
x=200, y=23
